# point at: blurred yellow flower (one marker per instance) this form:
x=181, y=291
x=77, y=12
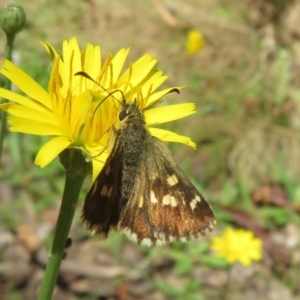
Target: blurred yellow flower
x=73, y=112
x=238, y=245
x=194, y=42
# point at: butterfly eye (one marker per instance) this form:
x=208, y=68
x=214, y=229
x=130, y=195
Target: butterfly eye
x=123, y=114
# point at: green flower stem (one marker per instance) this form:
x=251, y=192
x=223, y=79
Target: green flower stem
x=7, y=85
x=69, y=202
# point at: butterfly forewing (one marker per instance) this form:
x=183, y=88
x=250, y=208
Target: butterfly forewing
x=164, y=206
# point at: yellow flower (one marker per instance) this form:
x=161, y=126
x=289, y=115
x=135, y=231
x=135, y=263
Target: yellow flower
x=80, y=113
x=238, y=245
x=194, y=42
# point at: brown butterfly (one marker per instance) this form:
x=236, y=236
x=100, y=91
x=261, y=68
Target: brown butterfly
x=142, y=192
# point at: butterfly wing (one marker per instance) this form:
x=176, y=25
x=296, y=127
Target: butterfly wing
x=101, y=209
x=164, y=205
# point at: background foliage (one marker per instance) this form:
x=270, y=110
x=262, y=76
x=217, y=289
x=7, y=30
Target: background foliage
x=245, y=82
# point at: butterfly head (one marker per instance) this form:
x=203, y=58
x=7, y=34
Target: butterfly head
x=130, y=111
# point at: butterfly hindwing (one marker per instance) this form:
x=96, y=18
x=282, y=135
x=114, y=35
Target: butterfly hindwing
x=164, y=205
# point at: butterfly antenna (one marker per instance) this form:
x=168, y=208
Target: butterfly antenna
x=169, y=92
x=84, y=74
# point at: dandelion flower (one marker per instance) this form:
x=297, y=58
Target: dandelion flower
x=238, y=245
x=194, y=42
x=77, y=112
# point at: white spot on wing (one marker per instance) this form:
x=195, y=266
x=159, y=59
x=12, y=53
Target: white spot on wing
x=130, y=235
x=166, y=200
x=172, y=180
x=162, y=236
x=160, y=243
x=141, y=202
x=146, y=242
x=126, y=231
x=133, y=237
x=172, y=238
x=183, y=239
x=193, y=203
x=153, y=199
x=173, y=201
x=169, y=200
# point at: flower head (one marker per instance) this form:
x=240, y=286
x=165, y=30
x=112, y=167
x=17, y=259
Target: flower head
x=194, y=42
x=82, y=111
x=238, y=245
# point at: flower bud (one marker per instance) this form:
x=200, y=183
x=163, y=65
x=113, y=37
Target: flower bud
x=12, y=19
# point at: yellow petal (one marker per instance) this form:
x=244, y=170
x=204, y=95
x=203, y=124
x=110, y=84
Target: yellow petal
x=50, y=49
x=80, y=112
x=245, y=260
x=71, y=56
x=98, y=165
x=33, y=127
x=98, y=156
x=25, y=83
x=92, y=60
x=169, y=136
x=152, y=83
x=169, y=113
x=29, y=103
x=50, y=150
x=27, y=113
x=118, y=63
x=139, y=70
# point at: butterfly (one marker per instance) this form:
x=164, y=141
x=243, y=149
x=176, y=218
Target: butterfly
x=142, y=192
